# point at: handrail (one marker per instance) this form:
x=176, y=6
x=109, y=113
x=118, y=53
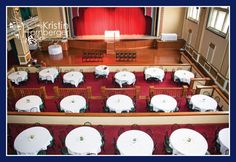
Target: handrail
x=168, y=64
x=221, y=94
x=145, y=114
x=193, y=66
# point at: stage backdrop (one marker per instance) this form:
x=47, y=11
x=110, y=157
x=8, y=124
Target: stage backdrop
x=129, y=21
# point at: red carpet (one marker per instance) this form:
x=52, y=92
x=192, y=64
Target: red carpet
x=111, y=132
x=96, y=84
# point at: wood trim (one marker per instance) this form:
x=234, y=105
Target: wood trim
x=118, y=114
x=171, y=44
x=136, y=89
x=199, y=79
x=198, y=71
x=152, y=89
x=202, y=60
x=221, y=94
x=220, y=80
x=88, y=89
x=81, y=66
x=41, y=89
x=213, y=72
x=192, y=65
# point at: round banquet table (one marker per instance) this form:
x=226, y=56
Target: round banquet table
x=119, y=103
x=48, y=74
x=164, y=103
x=188, y=142
x=135, y=142
x=102, y=70
x=184, y=76
x=125, y=77
x=73, y=77
x=29, y=103
x=83, y=140
x=32, y=140
x=55, y=49
x=203, y=103
x=18, y=76
x=223, y=140
x=73, y=103
x=154, y=73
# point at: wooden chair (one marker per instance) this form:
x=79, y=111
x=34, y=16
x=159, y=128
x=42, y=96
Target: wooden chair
x=167, y=147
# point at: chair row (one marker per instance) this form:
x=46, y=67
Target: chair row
x=93, y=56
x=126, y=56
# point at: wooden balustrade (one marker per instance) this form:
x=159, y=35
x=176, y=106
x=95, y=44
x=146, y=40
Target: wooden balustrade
x=214, y=92
x=198, y=82
x=63, y=92
x=131, y=92
x=21, y=92
x=171, y=91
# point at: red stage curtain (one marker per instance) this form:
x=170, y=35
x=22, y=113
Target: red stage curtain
x=94, y=21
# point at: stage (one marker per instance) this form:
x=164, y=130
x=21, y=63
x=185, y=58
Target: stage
x=120, y=38
x=145, y=57
x=149, y=51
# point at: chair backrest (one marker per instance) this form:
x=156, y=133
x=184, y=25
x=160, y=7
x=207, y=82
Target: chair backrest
x=171, y=91
x=63, y=92
x=131, y=92
x=22, y=92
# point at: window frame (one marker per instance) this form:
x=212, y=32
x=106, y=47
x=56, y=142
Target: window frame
x=214, y=30
x=191, y=18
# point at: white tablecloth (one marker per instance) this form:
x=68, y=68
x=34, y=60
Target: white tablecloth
x=125, y=77
x=73, y=77
x=163, y=102
x=135, y=142
x=32, y=140
x=73, y=103
x=223, y=140
x=188, y=142
x=183, y=75
x=155, y=73
x=102, y=70
x=48, y=74
x=83, y=140
x=119, y=103
x=18, y=76
x=29, y=103
x=55, y=49
x=203, y=103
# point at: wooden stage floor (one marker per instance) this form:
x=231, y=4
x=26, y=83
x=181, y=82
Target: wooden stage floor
x=122, y=37
x=144, y=57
